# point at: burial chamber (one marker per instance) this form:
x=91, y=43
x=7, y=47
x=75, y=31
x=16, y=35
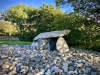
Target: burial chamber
x=48, y=40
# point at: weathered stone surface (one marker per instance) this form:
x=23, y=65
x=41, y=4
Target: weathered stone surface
x=61, y=45
x=12, y=73
x=48, y=72
x=34, y=45
x=52, y=34
x=79, y=65
x=5, y=66
x=24, y=69
x=65, y=68
x=42, y=44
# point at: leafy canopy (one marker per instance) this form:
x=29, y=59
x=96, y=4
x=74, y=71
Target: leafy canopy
x=82, y=6
x=18, y=13
x=89, y=8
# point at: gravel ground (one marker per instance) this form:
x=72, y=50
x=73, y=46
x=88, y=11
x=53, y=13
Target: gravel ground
x=21, y=60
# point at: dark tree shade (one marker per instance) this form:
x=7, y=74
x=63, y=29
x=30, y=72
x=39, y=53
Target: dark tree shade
x=87, y=7
x=82, y=6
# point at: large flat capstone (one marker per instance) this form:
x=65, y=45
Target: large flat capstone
x=52, y=34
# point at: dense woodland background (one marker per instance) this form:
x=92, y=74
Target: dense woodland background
x=30, y=21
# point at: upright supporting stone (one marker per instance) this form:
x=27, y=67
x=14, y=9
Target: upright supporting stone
x=61, y=45
x=34, y=45
x=43, y=44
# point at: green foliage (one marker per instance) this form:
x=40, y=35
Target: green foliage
x=18, y=13
x=84, y=32
x=43, y=17
x=7, y=28
x=27, y=33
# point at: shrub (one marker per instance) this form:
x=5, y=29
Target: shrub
x=84, y=33
x=6, y=28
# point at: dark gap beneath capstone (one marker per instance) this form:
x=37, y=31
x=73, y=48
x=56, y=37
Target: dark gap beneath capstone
x=52, y=43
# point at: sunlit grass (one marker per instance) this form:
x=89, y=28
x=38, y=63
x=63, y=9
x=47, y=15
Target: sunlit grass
x=15, y=42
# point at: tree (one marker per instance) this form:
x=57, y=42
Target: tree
x=17, y=13
x=43, y=17
x=91, y=8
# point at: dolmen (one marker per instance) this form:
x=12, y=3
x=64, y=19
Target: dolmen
x=51, y=41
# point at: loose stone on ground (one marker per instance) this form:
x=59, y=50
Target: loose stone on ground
x=21, y=60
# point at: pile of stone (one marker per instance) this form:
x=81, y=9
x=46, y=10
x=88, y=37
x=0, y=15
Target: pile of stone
x=21, y=60
x=13, y=38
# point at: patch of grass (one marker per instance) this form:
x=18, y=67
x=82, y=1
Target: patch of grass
x=15, y=42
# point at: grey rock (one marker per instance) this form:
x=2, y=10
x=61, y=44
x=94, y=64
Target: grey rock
x=24, y=69
x=79, y=71
x=65, y=64
x=86, y=64
x=42, y=43
x=52, y=34
x=48, y=72
x=18, y=68
x=65, y=69
x=34, y=46
x=70, y=72
x=5, y=66
x=79, y=65
x=61, y=45
x=55, y=69
x=12, y=73
x=75, y=72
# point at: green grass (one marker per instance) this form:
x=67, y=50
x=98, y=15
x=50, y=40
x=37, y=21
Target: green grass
x=15, y=42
